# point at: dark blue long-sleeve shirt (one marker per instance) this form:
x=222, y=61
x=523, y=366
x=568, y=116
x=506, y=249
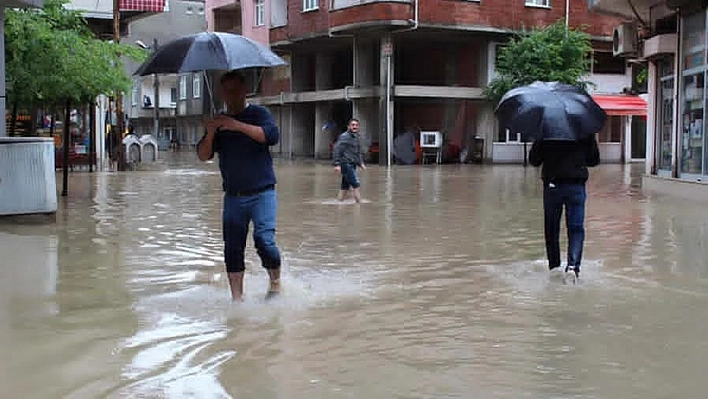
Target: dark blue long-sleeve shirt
x=246, y=164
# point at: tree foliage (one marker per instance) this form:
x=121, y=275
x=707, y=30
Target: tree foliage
x=551, y=53
x=52, y=56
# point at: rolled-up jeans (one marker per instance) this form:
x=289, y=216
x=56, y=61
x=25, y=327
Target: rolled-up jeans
x=238, y=213
x=349, y=177
x=570, y=196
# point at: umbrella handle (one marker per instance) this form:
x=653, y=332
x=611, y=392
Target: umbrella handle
x=211, y=93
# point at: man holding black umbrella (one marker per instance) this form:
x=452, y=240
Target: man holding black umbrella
x=242, y=138
x=563, y=119
x=565, y=171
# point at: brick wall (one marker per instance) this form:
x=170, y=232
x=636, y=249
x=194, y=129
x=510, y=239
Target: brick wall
x=501, y=14
x=513, y=14
x=371, y=12
x=302, y=24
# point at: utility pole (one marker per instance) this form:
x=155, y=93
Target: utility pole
x=156, y=86
x=119, y=96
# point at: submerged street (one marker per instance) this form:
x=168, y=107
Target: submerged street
x=435, y=287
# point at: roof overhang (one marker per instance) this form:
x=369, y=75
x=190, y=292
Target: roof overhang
x=621, y=105
x=99, y=13
x=21, y=3
x=631, y=9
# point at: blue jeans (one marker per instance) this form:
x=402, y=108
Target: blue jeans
x=572, y=197
x=239, y=212
x=349, y=177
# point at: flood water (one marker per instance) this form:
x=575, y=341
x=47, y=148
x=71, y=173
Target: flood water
x=435, y=287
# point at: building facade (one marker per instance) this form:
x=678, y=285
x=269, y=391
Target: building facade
x=180, y=98
x=671, y=36
x=413, y=66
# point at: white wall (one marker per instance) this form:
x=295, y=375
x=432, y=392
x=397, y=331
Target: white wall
x=609, y=83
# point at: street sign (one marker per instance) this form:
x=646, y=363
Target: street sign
x=387, y=49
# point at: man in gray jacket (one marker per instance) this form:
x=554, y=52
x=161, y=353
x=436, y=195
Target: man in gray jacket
x=347, y=156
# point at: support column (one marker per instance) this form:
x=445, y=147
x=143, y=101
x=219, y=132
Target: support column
x=628, y=139
x=3, y=104
x=366, y=109
x=486, y=127
x=650, y=163
x=386, y=79
x=323, y=69
x=323, y=112
x=363, y=62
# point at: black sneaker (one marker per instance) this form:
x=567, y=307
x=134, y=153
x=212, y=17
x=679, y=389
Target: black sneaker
x=553, y=267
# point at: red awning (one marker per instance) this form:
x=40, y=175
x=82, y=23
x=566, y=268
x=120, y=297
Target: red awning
x=143, y=5
x=620, y=104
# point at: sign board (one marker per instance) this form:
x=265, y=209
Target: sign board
x=387, y=49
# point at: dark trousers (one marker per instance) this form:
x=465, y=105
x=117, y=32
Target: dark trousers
x=571, y=197
x=239, y=212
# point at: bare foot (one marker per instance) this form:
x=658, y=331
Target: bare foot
x=273, y=289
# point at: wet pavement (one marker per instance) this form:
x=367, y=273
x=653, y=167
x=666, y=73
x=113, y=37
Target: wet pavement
x=435, y=287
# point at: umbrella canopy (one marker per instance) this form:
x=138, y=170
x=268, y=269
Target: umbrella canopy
x=207, y=51
x=550, y=111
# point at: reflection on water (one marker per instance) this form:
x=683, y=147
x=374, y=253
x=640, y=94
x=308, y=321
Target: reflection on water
x=435, y=286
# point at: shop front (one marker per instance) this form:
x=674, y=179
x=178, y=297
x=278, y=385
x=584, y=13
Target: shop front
x=691, y=157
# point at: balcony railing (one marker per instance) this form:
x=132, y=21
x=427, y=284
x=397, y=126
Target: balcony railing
x=338, y=4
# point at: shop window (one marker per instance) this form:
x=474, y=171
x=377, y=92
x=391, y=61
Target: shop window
x=691, y=135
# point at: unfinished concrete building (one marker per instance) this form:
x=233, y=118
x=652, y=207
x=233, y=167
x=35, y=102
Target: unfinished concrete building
x=405, y=66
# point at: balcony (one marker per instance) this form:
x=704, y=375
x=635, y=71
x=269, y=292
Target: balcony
x=352, y=15
x=623, y=8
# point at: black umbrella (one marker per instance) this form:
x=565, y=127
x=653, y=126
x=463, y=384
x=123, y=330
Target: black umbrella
x=205, y=51
x=550, y=111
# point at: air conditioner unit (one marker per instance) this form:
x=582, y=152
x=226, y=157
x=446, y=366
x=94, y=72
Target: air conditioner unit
x=624, y=40
x=660, y=45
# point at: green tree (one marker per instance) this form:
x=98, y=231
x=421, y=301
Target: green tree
x=551, y=53
x=53, y=57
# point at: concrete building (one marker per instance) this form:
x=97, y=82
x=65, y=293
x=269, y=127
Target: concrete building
x=671, y=37
x=179, y=98
x=413, y=65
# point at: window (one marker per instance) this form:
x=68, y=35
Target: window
x=260, y=13
x=189, y=10
x=136, y=94
x=173, y=95
x=309, y=5
x=538, y=3
x=604, y=63
x=197, y=86
x=183, y=87
x=278, y=13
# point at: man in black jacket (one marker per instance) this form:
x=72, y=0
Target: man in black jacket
x=565, y=171
x=346, y=158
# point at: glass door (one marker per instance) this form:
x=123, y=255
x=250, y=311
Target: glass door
x=693, y=54
x=665, y=116
x=692, y=131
